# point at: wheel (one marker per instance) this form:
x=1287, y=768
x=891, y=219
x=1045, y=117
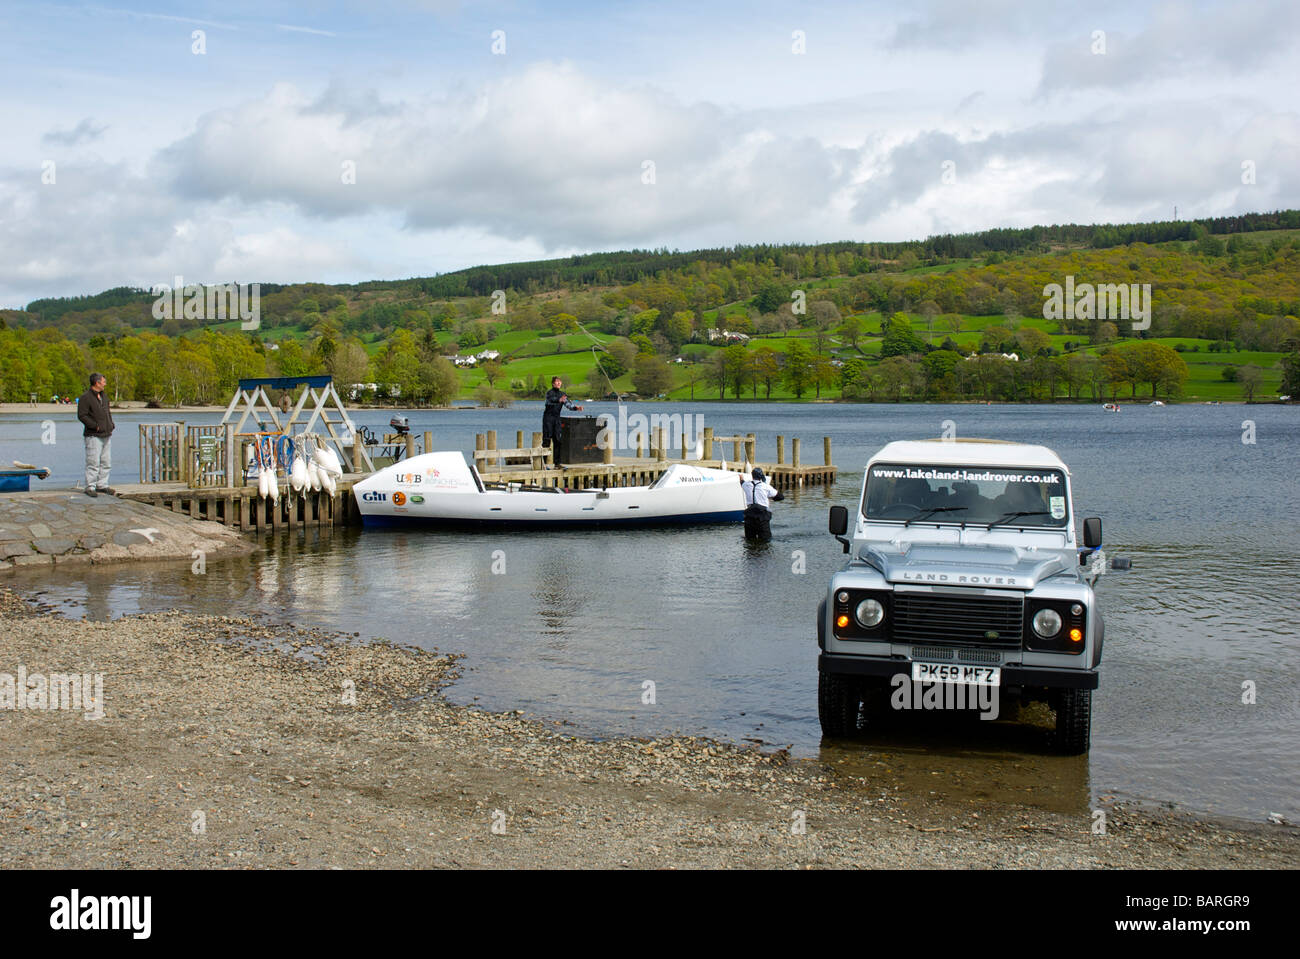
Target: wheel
x=1074, y=721
x=837, y=704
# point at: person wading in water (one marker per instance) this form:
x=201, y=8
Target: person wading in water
x=556, y=402
x=758, y=518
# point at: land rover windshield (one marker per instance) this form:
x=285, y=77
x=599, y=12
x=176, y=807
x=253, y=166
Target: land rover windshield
x=966, y=495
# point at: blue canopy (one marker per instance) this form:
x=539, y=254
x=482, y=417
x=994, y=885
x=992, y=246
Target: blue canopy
x=285, y=382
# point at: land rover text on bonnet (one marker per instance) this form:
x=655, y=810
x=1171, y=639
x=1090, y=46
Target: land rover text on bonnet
x=964, y=572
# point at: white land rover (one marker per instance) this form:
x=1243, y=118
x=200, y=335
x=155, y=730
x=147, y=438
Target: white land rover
x=964, y=569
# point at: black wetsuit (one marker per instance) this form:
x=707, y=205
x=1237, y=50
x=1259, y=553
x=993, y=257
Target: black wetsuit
x=556, y=402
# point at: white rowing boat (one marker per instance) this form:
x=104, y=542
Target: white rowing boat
x=442, y=488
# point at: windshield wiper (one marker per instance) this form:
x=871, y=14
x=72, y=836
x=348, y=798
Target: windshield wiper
x=924, y=514
x=1033, y=512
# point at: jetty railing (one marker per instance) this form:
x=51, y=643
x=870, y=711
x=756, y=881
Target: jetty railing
x=162, y=452
x=649, y=458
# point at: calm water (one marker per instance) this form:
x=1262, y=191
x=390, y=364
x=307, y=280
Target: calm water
x=579, y=621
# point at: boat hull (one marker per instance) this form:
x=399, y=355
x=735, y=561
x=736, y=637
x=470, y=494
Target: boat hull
x=441, y=489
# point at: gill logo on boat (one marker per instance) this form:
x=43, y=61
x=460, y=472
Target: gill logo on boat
x=373, y=497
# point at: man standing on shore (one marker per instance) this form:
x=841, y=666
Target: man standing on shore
x=92, y=410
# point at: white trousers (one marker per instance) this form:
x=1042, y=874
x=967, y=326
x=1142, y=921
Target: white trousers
x=98, y=462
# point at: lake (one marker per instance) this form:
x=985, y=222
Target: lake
x=578, y=622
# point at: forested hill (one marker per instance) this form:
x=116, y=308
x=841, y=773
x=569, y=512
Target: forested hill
x=851, y=258
x=949, y=318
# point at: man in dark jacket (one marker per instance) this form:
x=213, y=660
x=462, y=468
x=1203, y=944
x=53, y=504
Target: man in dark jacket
x=92, y=410
x=557, y=401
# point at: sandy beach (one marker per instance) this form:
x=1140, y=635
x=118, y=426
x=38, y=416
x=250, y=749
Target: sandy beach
x=227, y=742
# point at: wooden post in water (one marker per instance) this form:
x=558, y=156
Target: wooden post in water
x=479, y=444
x=780, y=450
x=519, y=439
x=639, y=440
x=826, y=446
x=794, y=452
x=410, y=445
x=661, y=451
x=428, y=442
x=357, y=449
x=750, y=448
x=735, y=450
x=491, y=440
x=683, y=446
x=708, y=442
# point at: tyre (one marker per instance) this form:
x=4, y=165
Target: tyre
x=1073, y=721
x=837, y=704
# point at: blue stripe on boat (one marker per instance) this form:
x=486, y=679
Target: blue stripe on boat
x=729, y=516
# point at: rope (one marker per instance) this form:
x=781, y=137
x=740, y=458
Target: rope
x=597, y=345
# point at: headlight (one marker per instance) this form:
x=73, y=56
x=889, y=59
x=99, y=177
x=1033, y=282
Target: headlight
x=869, y=613
x=1047, y=623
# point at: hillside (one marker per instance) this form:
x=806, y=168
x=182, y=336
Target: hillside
x=933, y=320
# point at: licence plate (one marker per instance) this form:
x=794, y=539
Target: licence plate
x=952, y=673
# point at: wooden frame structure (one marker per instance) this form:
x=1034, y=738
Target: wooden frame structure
x=326, y=412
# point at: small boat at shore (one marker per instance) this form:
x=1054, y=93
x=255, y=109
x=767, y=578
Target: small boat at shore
x=18, y=479
x=441, y=488
x=1110, y=407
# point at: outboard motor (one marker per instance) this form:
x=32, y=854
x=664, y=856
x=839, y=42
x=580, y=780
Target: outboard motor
x=400, y=424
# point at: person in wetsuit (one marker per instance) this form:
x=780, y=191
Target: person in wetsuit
x=557, y=401
x=758, y=517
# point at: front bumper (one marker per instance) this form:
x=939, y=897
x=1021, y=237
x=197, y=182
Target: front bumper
x=842, y=665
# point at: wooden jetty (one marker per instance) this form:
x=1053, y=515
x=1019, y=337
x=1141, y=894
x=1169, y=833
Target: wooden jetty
x=196, y=471
x=529, y=464
x=242, y=507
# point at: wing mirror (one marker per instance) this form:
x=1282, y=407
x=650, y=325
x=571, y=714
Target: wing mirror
x=1092, y=532
x=839, y=524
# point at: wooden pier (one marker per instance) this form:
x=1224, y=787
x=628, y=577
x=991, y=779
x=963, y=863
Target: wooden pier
x=216, y=489
x=243, y=508
x=529, y=464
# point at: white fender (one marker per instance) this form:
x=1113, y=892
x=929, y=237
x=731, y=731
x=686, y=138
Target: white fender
x=313, y=475
x=273, y=486
x=326, y=461
x=261, y=484
x=298, y=474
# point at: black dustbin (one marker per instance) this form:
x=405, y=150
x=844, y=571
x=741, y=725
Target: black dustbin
x=578, y=440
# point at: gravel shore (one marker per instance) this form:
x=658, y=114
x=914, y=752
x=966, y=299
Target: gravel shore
x=230, y=743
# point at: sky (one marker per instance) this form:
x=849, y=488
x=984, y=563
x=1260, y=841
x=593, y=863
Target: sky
x=342, y=141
